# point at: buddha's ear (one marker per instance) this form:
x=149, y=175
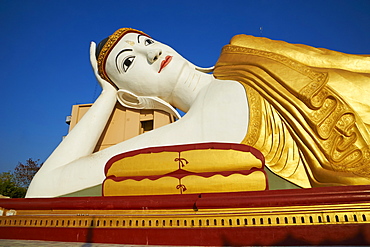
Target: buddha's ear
x=128, y=99
x=205, y=70
x=131, y=100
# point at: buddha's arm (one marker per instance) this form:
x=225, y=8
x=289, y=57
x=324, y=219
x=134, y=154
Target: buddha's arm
x=212, y=118
x=82, y=140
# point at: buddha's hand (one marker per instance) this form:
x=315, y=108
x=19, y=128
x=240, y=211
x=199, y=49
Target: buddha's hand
x=106, y=86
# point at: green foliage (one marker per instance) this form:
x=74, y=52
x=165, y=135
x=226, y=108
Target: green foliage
x=8, y=186
x=15, y=184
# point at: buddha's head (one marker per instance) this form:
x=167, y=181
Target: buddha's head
x=131, y=60
x=144, y=71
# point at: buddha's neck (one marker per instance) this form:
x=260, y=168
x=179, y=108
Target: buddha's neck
x=190, y=83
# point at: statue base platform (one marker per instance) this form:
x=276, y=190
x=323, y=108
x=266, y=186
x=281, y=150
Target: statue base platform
x=318, y=216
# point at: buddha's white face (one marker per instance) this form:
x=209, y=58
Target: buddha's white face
x=144, y=66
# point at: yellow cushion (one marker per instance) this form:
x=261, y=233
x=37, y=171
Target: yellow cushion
x=185, y=169
x=191, y=184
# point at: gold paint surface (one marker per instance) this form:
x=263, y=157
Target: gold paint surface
x=210, y=160
x=358, y=213
x=310, y=133
x=185, y=172
x=191, y=184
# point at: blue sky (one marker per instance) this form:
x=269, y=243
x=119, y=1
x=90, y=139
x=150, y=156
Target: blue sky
x=44, y=58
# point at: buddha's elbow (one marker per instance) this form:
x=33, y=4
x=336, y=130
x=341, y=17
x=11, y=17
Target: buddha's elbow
x=41, y=186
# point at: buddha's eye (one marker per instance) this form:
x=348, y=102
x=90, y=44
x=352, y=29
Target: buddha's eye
x=148, y=42
x=127, y=62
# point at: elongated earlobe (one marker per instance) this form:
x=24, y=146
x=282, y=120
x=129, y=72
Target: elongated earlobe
x=131, y=100
x=205, y=70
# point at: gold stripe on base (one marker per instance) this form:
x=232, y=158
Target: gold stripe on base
x=268, y=216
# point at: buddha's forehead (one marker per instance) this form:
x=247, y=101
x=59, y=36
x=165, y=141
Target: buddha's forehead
x=130, y=36
x=128, y=41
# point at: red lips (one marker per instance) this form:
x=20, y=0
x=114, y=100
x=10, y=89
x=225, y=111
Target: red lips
x=165, y=62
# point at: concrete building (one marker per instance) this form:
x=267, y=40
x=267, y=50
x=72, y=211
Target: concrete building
x=123, y=124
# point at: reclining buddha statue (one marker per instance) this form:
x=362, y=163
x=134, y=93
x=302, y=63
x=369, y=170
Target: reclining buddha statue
x=302, y=112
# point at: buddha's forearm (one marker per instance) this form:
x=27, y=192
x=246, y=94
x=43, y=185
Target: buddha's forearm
x=83, y=138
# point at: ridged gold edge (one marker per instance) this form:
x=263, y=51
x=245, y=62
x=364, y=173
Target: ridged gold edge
x=144, y=211
x=287, y=216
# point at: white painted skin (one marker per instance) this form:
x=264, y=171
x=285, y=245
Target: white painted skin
x=217, y=111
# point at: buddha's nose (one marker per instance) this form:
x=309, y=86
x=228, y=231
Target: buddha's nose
x=153, y=55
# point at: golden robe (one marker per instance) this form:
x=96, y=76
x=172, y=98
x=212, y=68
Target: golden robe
x=309, y=109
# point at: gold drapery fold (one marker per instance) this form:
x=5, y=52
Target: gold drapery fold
x=308, y=133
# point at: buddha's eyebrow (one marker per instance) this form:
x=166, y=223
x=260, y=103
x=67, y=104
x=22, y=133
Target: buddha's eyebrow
x=138, y=38
x=120, y=54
